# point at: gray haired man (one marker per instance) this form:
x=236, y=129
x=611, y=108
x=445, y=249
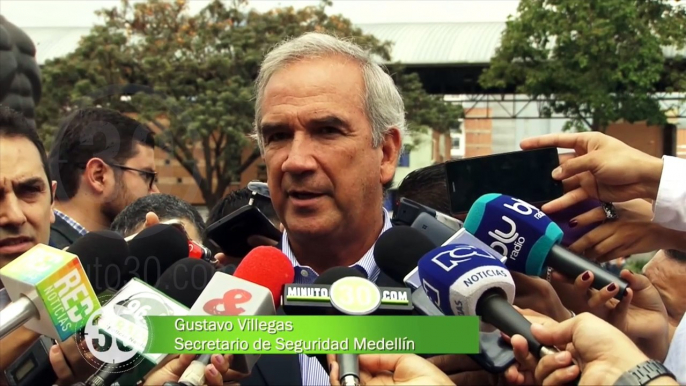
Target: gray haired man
x=329, y=122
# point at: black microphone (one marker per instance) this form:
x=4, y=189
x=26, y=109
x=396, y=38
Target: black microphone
x=153, y=251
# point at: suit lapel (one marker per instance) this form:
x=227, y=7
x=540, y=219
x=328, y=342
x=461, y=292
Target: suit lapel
x=278, y=369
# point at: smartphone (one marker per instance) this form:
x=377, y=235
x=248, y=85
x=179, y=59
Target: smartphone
x=408, y=211
x=526, y=175
x=231, y=233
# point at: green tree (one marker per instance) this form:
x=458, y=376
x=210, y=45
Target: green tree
x=599, y=60
x=193, y=77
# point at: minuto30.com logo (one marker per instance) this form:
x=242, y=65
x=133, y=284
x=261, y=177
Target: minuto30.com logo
x=117, y=333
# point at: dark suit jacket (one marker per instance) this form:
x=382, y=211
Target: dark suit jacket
x=284, y=369
x=62, y=234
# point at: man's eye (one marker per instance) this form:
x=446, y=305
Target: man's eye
x=30, y=191
x=277, y=137
x=329, y=130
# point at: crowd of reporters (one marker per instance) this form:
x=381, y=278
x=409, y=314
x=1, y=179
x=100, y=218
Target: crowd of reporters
x=330, y=158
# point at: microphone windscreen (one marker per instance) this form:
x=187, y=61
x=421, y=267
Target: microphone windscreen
x=101, y=254
x=269, y=268
x=515, y=229
x=185, y=280
x=154, y=250
x=334, y=274
x=455, y=276
x=398, y=250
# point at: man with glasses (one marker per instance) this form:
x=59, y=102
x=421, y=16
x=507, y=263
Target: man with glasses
x=102, y=162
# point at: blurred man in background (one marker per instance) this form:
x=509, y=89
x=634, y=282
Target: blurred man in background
x=102, y=162
x=156, y=208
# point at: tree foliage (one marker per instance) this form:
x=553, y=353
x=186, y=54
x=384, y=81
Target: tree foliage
x=599, y=60
x=192, y=77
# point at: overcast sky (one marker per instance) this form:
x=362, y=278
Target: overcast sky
x=80, y=13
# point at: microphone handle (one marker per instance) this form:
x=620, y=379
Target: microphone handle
x=495, y=310
x=572, y=265
x=348, y=369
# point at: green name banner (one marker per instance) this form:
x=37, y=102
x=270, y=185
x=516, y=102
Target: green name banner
x=313, y=334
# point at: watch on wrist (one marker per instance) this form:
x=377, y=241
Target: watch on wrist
x=643, y=373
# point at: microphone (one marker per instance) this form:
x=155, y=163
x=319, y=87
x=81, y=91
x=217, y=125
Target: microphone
x=98, y=253
x=397, y=253
x=464, y=280
x=530, y=240
x=254, y=289
x=121, y=333
x=154, y=250
x=348, y=364
x=50, y=290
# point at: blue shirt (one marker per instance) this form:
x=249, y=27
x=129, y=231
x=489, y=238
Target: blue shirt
x=77, y=227
x=311, y=372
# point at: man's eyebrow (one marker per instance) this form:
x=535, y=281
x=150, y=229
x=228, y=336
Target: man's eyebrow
x=270, y=127
x=329, y=120
x=29, y=182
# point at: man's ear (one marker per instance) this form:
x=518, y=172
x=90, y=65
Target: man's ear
x=95, y=174
x=390, y=148
x=53, y=189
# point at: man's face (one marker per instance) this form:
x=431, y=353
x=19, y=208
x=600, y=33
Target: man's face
x=25, y=193
x=324, y=174
x=131, y=184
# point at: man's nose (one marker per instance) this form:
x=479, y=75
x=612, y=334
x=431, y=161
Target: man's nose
x=300, y=155
x=10, y=212
x=154, y=189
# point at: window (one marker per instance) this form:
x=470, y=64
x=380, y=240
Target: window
x=456, y=141
x=404, y=160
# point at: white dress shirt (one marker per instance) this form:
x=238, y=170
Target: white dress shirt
x=670, y=212
x=670, y=206
x=311, y=372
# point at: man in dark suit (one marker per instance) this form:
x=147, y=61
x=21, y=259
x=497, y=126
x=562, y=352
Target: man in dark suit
x=329, y=124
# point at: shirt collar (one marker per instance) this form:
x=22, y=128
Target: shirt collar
x=77, y=227
x=306, y=275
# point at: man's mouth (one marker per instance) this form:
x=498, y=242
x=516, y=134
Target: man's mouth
x=304, y=195
x=11, y=241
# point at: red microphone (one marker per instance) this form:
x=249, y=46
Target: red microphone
x=255, y=288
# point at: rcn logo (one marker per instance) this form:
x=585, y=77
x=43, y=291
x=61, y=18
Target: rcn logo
x=461, y=253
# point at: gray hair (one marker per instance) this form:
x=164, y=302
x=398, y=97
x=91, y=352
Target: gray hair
x=382, y=101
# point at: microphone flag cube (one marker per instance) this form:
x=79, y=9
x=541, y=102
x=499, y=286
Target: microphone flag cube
x=57, y=285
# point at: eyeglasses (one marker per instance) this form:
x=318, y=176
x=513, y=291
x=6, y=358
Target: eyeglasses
x=258, y=189
x=148, y=176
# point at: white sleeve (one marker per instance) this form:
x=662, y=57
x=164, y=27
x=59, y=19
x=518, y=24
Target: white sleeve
x=670, y=206
x=676, y=357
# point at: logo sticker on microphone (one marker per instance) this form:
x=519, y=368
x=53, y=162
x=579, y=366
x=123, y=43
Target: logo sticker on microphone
x=460, y=253
x=117, y=332
x=355, y=296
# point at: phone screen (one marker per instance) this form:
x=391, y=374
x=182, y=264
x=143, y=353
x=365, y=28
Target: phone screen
x=523, y=174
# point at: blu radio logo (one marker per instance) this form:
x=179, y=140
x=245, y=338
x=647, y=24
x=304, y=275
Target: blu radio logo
x=457, y=254
x=508, y=237
x=117, y=333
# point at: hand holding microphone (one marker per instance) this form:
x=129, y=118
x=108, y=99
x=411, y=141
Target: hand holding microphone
x=393, y=369
x=602, y=352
